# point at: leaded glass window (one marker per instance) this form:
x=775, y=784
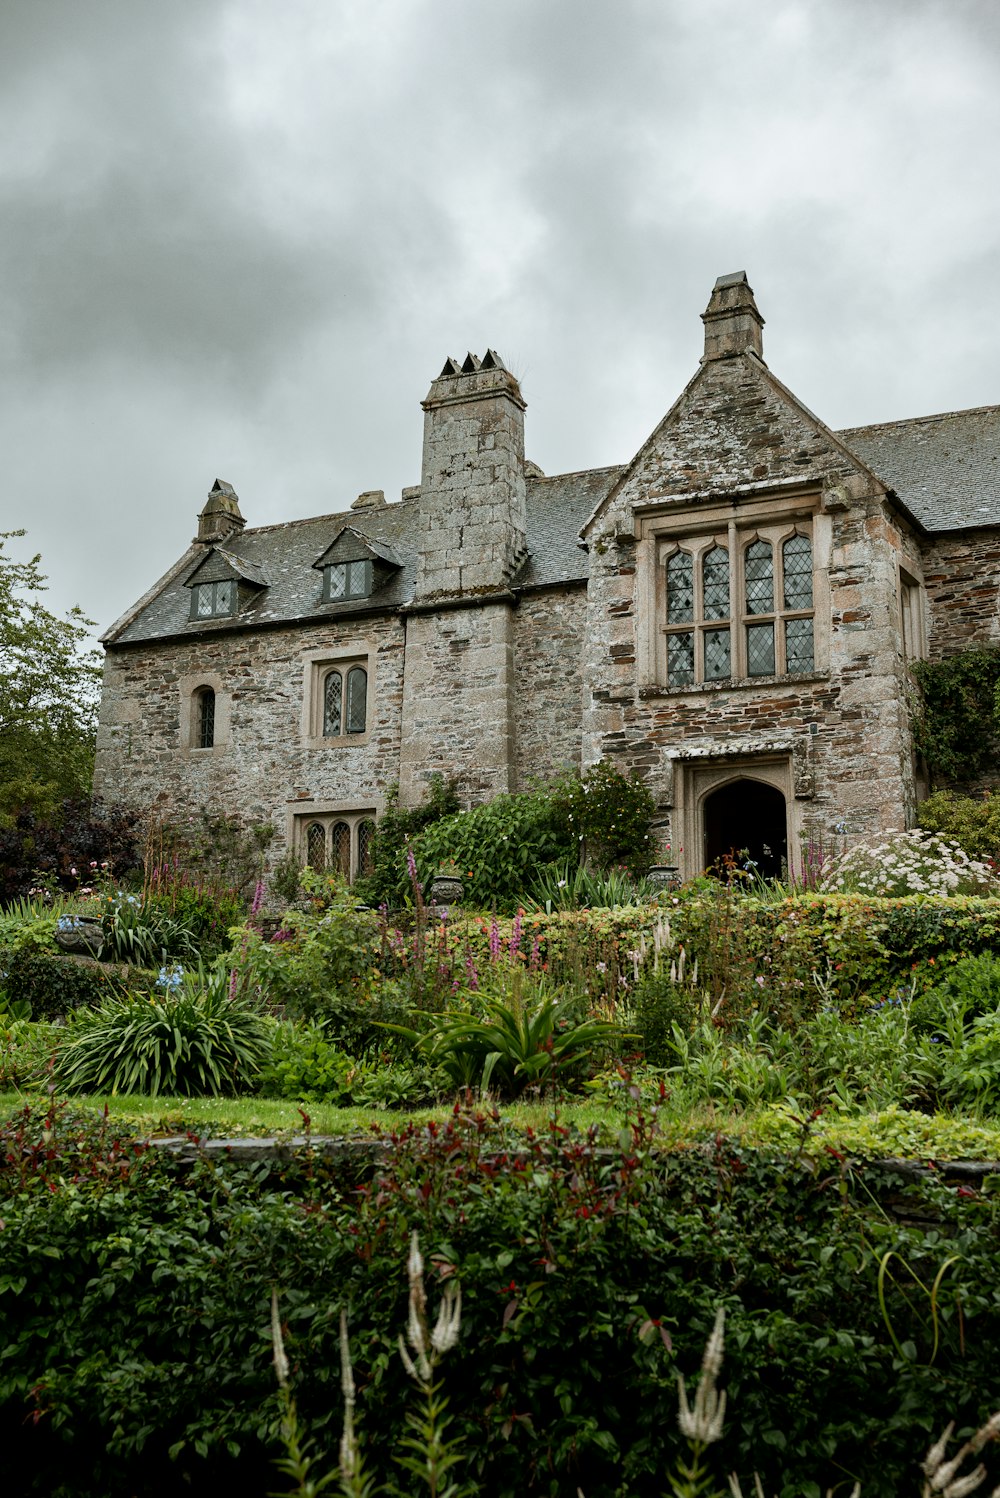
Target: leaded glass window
x=333, y=692
x=212, y=600
x=715, y=582
x=357, y=699
x=366, y=831
x=341, y=841
x=797, y=568
x=347, y=580
x=760, y=650
x=758, y=564
x=717, y=666
x=680, y=659
x=316, y=845
x=680, y=588
x=799, y=645
x=205, y=725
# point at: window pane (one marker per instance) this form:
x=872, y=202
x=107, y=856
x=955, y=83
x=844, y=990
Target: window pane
x=223, y=598
x=336, y=580
x=759, y=574
x=204, y=592
x=357, y=579
x=206, y=718
x=680, y=588
x=341, y=860
x=332, y=695
x=316, y=846
x=760, y=649
x=715, y=577
x=797, y=559
x=799, y=645
x=366, y=831
x=716, y=654
x=680, y=660
x=357, y=693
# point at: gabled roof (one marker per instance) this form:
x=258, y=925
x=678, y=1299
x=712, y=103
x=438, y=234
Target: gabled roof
x=239, y=568
x=945, y=469
x=361, y=548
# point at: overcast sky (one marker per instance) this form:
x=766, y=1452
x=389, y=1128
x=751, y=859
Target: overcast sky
x=239, y=239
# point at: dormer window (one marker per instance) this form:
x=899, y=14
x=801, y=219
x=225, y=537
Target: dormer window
x=213, y=600
x=346, y=580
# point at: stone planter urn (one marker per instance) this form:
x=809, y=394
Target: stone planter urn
x=80, y=935
x=664, y=876
x=445, y=891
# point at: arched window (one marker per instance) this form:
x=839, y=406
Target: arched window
x=333, y=697
x=357, y=699
x=204, y=727
x=758, y=564
x=341, y=860
x=366, y=831
x=316, y=845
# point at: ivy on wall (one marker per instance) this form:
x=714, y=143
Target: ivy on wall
x=957, y=718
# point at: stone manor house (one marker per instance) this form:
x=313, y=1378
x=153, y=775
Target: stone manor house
x=731, y=615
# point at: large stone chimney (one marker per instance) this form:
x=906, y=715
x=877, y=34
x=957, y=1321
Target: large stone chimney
x=221, y=516
x=472, y=521
x=732, y=322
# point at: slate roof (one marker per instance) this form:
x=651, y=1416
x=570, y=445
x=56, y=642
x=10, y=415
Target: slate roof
x=284, y=556
x=945, y=469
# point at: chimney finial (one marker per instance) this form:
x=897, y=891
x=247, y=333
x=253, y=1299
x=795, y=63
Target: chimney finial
x=732, y=322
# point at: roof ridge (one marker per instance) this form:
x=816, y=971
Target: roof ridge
x=903, y=421
x=280, y=525
x=574, y=473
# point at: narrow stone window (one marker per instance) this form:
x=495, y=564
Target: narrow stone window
x=758, y=563
x=680, y=588
x=715, y=574
x=357, y=699
x=341, y=859
x=204, y=736
x=333, y=695
x=316, y=845
x=366, y=831
x=798, y=571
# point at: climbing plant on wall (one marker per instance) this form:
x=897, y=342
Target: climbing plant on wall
x=957, y=716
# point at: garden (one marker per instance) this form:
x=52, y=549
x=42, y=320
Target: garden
x=529, y=1151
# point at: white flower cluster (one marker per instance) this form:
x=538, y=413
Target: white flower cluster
x=910, y=863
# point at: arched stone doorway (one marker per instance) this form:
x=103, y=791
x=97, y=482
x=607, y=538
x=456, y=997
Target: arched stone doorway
x=747, y=815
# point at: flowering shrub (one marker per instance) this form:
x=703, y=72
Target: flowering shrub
x=910, y=863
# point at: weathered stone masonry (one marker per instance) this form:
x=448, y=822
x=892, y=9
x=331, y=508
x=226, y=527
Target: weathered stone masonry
x=497, y=625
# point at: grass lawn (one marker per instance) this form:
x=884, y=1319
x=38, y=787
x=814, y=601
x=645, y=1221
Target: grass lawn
x=893, y=1132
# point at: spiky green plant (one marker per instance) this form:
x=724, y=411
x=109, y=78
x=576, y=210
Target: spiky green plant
x=193, y=1042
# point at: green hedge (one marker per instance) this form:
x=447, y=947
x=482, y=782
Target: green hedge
x=136, y=1294
x=53, y=984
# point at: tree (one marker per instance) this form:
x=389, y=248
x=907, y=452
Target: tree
x=49, y=688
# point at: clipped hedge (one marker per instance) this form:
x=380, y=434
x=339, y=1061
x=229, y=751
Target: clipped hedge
x=54, y=983
x=847, y=949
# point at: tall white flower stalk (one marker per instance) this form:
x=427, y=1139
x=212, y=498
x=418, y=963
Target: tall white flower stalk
x=427, y=1452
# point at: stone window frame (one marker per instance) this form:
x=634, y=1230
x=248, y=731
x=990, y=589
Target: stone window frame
x=330, y=816
x=697, y=775
x=191, y=688
x=734, y=524
x=912, y=616
x=317, y=667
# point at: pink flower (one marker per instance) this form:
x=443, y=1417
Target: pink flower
x=494, y=939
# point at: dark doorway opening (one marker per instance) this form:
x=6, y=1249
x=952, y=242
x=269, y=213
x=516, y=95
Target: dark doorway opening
x=745, y=820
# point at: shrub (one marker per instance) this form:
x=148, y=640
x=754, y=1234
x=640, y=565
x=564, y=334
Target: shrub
x=53, y=985
x=65, y=849
x=957, y=720
x=659, y=1003
x=909, y=863
x=195, y=1041
x=608, y=815
x=306, y=1066
x=389, y=880
x=973, y=822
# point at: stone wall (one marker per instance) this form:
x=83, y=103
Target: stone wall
x=962, y=578
x=270, y=762
x=549, y=631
